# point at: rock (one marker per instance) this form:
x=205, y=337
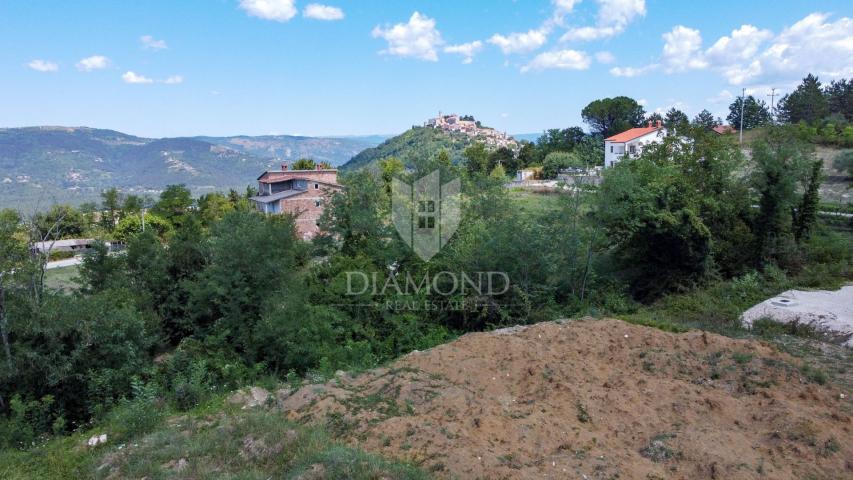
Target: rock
x=97, y=440
x=828, y=313
x=254, y=397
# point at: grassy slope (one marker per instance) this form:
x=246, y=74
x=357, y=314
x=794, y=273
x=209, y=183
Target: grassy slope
x=215, y=441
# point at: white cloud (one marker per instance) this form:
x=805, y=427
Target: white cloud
x=322, y=12
x=741, y=46
x=95, y=62
x=604, y=57
x=174, y=80
x=631, y=72
x=560, y=59
x=43, y=66
x=612, y=19
x=563, y=8
x=467, y=50
x=131, y=77
x=724, y=96
x=682, y=50
x=750, y=55
x=417, y=39
x=521, y=42
x=813, y=44
x=278, y=10
x=151, y=43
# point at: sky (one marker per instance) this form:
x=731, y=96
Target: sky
x=339, y=67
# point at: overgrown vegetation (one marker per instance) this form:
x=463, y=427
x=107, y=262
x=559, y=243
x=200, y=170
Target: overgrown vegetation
x=212, y=295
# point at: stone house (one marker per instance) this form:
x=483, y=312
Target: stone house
x=301, y=193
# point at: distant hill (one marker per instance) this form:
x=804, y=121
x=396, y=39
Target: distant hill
x=413, y=143
x=43, y=165
x=335, y=150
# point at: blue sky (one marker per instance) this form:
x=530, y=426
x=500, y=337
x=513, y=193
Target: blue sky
x=339, y=67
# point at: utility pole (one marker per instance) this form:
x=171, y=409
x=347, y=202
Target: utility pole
x=772, y=104
x=742, y=102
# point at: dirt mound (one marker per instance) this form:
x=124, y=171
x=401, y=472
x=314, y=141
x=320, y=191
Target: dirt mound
x=593, y=399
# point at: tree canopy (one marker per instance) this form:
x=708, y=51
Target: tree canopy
x=609, y=116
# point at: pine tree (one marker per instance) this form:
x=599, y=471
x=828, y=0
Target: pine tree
x=807, y=103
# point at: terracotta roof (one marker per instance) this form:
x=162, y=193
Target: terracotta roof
x=631, y=134
x=723, y=129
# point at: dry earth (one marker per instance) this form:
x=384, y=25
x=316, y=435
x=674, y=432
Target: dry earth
x=594, y=399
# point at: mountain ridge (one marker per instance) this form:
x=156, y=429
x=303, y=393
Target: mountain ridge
x=47, y=164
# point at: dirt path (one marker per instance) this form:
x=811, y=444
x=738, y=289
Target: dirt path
x=593, y=399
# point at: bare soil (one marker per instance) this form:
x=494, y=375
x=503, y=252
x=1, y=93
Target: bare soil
x=596, y=399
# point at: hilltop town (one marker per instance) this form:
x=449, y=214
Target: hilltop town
x=469, y=126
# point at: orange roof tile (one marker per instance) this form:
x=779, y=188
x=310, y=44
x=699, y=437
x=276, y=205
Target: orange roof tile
x=631, y=134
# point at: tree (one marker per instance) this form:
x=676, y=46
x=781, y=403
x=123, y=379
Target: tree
x=477, y=159
x=528, y=155
x=676, y=121
x=805, y=104
x=443, y=158
x=839, y=96
x=99, y=270
x=212, y=207
x=13, y=255
x=241, y=277
x=62, y=221
x=502, y=156
x=755, y=113
x=705, y=119
x=132, y=205
x=556, y=161
x=174, y=203
x=806, y=214
x=654, y=117
x=110, y=208
x=304, y=164
x=780, y=163
x=555, y=139
x=610, y=116
x=498, y=173
x=131, y=225
x=393, y=166
x=652, y=218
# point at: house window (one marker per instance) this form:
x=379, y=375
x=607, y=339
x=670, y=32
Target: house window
x=611, y=149
x=316, y=186
x=632, y=149
x=426, y=214
x=316, y=203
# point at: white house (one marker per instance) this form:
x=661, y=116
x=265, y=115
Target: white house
x=631, y=142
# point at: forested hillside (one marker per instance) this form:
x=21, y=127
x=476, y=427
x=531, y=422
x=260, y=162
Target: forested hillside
x=418, y=142
x=45, y=165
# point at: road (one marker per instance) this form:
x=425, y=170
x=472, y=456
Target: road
x=68, y=262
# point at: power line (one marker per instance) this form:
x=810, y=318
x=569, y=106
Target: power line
x=772, y=104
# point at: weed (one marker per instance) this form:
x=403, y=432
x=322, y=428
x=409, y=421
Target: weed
x=830, y=447
x=813, y=374
x=583, y=415
x=658, y=451
x=742, y=358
